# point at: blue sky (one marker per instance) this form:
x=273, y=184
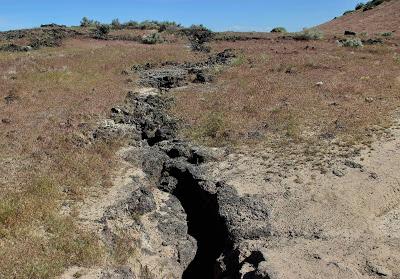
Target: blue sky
x=219, y=15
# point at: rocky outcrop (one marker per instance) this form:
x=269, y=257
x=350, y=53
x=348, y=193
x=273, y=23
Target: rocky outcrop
x=214, y=219
x=169, y=75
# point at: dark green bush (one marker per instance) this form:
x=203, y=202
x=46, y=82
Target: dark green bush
x=352, y=43
x=387, y=34
x=152, y=39
x=102, y=31
x=360, y=6
x=86, y=22
x=115, y=24
x=372, y=4
x=279, y=30
x=198, y=36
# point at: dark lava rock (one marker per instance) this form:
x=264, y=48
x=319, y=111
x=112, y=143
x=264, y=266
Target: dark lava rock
x=141, y=202
x=165, y=78
x=15, y=48
x=152, y=161
x=118, y=273
x=52, y=25
x=373, y=42
x=246, y=217
x=353, y=165
x=338, y=173
x=147, y=114
x=349, y=33
x=171, y=74
x=11, y=98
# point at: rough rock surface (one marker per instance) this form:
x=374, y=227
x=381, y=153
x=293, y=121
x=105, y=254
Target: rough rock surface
x=171, y=75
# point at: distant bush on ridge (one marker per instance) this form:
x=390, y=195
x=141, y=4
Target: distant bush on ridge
x=279, y=30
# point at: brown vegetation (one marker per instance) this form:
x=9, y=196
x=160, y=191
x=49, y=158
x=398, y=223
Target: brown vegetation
x=295, y=91
x=382, y=18
x=277, y=90
x=51, y=100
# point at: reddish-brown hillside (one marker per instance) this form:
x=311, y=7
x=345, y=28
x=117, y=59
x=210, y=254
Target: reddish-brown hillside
x=383, y=18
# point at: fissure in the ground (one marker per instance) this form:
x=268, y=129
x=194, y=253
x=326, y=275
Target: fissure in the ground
x=205, y=225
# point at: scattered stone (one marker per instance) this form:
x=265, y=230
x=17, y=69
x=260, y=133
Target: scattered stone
x=378, y=270
x=338, y=173
x=372, y=42
x=373, y=175
x=349, y=33
x=119, y=273
x=171, y=75
x=353, y=165
x=141, y=202
x=15, y=48
x=369, y=99
x=165, y=78
x=255, y=135
x=339, y=125
x=327, y=136
x=11, y=98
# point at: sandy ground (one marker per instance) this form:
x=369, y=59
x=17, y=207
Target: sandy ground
x=325, y=225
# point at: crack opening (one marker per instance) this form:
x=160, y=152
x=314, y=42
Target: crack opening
x=205, y=225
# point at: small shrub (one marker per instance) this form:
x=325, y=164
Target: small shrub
x=309, y=34
x=213, y=126
x=130, y=24
x=15, y=48
x=396, y=58
x=387, y=34
x=372, y=4
x=348, y=12
x=115, y=24
x=359, y=6
x=279, y=30
x=152, y=39
x=148, y=25
x=102, y=31
x=168, y=26
x=355, y=43
x=86, y=22
x=198, y=36
x=238, y=60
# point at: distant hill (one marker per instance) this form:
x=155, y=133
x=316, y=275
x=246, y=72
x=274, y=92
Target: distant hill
x=382, y=18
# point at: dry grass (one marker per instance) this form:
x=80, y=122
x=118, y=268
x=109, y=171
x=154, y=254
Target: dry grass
x=383, y=18
x=50, y=101
x=273, y=92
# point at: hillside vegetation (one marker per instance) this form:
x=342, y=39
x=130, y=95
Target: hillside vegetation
x=374, y=17
x=303, y=93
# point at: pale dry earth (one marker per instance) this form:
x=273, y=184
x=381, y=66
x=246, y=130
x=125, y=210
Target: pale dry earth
x=324, y=225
